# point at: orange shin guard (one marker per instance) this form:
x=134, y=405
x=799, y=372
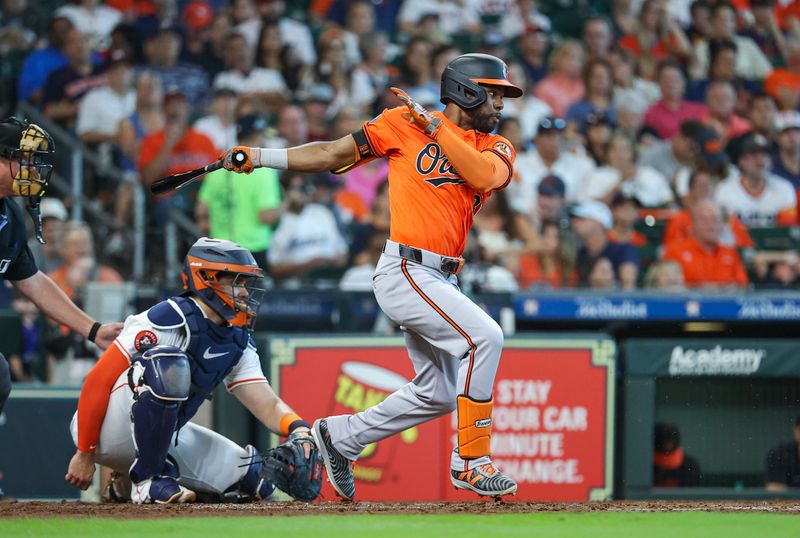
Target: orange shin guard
x=474, y=427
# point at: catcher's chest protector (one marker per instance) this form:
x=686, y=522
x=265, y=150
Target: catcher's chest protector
x=213, y=352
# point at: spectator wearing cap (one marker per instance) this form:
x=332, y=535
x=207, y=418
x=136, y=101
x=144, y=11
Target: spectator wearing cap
x=101, y=110
x=625, y=214
x=308, y=235
x=761, y=112
x=621, y=173
x=546, y=158
x=163, y=52
x=679, y=226
x=93, y=19
x=316, y=102
x=54, y=217
x=220, y=124
x=564, y=84
x=656, y=37
x=751, y=64
x=196, y=24
x=786, y=160
x=591, y=222
x=65, y=87
x=705, y=262
x=599, y=83
x=174, y=149
x=551, y=203
x=672, y=466
x=265, y=85
x=533, y=45
x=242, y=209
x=720, y=115
x=666, y=115
x=757, y=196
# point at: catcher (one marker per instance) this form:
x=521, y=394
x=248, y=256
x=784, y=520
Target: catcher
x=134, y=409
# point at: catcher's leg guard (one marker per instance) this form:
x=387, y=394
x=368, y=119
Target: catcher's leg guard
x=253, y=484
x=474, y=427
x=161, y=380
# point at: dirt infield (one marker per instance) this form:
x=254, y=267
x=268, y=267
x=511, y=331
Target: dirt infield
x=10, y=509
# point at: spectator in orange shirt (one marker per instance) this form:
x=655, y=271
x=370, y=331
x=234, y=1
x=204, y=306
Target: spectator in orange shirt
x=553, y=265
x=706, y=262
x=783, y=84
x=679, y=226
x=175, y=148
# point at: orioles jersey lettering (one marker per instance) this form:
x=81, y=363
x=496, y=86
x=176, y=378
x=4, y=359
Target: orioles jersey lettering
x=431, y=206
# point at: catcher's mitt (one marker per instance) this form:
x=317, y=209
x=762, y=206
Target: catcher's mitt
x=291, y=471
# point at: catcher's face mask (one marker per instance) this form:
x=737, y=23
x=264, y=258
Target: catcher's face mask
x=26, y=147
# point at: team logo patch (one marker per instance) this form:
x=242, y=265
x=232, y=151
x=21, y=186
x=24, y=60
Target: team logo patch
x=503, y=148
x=144, y=340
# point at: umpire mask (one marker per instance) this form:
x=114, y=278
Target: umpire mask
x=26, y=147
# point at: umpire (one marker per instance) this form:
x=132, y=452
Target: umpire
x=25, y=172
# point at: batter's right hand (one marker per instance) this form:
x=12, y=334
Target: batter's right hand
x=81, y=470
x=241, y=159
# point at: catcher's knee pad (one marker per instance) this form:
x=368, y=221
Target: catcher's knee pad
x=474, y=427
x=163, y=371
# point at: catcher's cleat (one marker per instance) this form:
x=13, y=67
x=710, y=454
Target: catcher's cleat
x=161, y=490
x=484, y=480
x=339, y=468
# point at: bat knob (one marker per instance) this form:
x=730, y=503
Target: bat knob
x=239, y=157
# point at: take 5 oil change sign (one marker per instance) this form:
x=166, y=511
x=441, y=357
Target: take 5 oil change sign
x=551, y=428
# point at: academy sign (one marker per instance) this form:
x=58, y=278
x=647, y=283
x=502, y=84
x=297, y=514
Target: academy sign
x=715, y=361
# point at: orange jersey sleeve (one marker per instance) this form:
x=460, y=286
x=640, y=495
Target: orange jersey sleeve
x=95, y=394
x=430, y=203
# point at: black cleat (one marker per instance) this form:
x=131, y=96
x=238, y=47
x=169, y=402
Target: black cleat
x=339, y=468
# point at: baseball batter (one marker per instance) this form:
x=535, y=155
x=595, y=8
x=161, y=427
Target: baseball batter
x=442, y=168
x=134, y=409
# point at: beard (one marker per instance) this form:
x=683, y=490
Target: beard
x=485, y=122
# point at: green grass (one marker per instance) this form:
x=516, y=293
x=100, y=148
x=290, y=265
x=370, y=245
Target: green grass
x=537, y=525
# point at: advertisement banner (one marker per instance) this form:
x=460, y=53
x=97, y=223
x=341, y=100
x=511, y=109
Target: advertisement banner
x=719, y=357
x=552, y=421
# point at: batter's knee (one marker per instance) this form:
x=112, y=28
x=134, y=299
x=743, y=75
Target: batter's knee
x=441, y=397
x=491, y=336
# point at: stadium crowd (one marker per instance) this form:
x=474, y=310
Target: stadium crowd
x=658, y=141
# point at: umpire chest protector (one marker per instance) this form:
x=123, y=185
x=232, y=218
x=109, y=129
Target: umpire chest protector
x=213, y=350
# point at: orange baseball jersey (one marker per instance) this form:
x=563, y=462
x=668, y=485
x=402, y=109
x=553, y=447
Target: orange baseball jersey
x=431, y=206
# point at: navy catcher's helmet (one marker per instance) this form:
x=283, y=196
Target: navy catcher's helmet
x=462, y=79
x=207, y=261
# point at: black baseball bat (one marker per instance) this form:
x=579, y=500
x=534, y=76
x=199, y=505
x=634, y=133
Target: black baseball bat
x=176, y=181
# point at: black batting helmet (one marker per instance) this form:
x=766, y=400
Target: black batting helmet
x=462, y=79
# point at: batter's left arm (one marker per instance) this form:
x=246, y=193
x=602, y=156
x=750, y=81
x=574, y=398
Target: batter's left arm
x=311, y=157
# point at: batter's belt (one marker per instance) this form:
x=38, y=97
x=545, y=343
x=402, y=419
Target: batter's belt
x=445, y=264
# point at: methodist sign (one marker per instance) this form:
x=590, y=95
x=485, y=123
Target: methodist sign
x=552, y=424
